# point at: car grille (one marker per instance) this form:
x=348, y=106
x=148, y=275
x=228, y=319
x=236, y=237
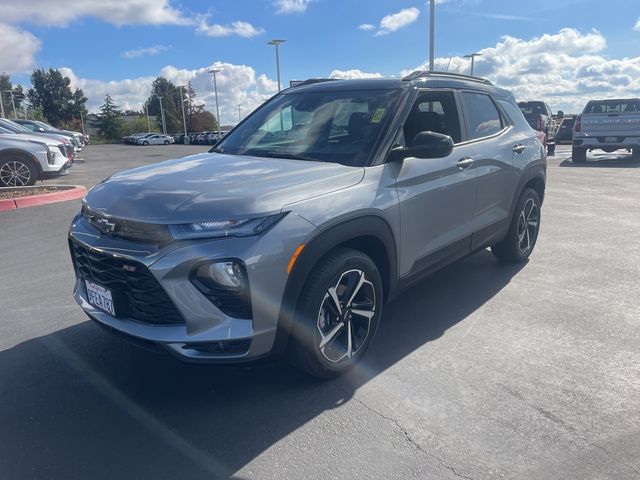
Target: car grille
x=131, y=230
x=136, y=293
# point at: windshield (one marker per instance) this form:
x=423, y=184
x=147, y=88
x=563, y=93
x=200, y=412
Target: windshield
x=613, y=106
x=13, y=127
x=338, y=127
x=532, y=108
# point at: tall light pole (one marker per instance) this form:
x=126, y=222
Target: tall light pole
x=472, y=56
x=13, y=103
x=2, y=105
x=146, y=109
x=213, y=71
x=239, y=113
x=164, y=126
x=276, y=43
x=432, y=34
x=184, y=118
x=81, y=120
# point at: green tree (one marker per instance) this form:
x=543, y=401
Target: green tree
x=204, y=121
x=198, y=119
x=109, y=122
x=170, y=94
x=51, y=93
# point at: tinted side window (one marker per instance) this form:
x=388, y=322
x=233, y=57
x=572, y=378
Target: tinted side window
x=481, y=115
x=433, y=112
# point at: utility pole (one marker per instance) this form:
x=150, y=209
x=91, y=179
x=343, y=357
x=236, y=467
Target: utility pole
x=2, y=105
x=213, y=71
x=472, y=56
x=146, y=109
x=184, y=118
x=81, y=121
x=239, y=113
x=13, y=103
x=432, y=35
x=276, y=43
x=164, y=125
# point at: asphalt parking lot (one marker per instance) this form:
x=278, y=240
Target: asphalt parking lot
x=482, y=371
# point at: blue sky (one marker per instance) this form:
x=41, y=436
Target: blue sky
x=322, y=37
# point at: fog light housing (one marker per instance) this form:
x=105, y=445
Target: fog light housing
x=226, y=285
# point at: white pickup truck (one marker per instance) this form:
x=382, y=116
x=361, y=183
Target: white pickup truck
x=607, y=125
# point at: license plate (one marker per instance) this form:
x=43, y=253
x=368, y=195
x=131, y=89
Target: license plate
x=100, y=297
x=610, y=139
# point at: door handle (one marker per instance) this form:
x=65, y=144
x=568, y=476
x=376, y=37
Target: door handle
x=465, y=163
x=519, y=148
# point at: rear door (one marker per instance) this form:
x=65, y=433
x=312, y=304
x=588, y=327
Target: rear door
x=490, y=132
x=436, y=195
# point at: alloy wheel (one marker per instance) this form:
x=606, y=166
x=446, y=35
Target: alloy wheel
x=344, y=319
x=15, y=174
x=528, y=222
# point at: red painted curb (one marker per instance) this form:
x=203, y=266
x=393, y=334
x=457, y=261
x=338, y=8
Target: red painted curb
x=7, y=204
x=35, y=200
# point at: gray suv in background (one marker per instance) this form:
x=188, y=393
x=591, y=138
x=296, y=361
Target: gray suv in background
x=290, y=235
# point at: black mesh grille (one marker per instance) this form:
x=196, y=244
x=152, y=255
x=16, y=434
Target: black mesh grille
x=136, y=292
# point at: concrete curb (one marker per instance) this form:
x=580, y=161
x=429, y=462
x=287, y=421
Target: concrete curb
x=68, y=192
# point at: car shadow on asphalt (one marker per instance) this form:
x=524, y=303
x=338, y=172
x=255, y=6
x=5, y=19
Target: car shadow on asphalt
x=81, y=404
x=604, y=161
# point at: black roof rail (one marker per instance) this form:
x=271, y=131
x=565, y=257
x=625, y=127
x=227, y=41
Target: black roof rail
x=425, y=73
x=311, y=81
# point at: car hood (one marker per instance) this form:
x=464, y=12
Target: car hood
x=27, y=137
x=216, y=186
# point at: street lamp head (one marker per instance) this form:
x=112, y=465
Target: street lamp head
x=471, y=55
x=275, y=42
x=215, y=70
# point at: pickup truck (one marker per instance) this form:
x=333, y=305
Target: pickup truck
x=539, y=116
x=607, y=125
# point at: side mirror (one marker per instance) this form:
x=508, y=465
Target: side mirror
x=425, y=145
x=41, y=130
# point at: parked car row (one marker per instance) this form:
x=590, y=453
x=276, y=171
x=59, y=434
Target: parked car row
x=28, y=156
x=148, y=139
x=78, y=139
x=201, y=138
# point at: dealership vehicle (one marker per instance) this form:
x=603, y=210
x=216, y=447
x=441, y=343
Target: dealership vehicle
x=540, y=117
x=565, y=131
x=607, y=125
x=133, y=139
x=322, y=205
x=38, y=126
x=155, y=139
x=9, y=126
x=25, y=160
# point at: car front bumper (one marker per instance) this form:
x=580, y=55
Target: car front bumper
x=207, y=334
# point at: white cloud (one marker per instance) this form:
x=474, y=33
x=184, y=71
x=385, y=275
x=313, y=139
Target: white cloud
x=637, y=25
x=366, y=27
x=291, y=6
x=118, y=12
x=18, y=49
x=396, y=21
x=240, y=29
x=353, y=74
x=142, y=52
x=565, y=69
x=237, y=85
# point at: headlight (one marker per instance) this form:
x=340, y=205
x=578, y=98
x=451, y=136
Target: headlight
x=244, y=227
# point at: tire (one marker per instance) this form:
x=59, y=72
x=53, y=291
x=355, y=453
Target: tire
x=551, y=149
x=635, y=154
x=17, y=172
x=145, y=143
x=523, y=232
x=578, y=155
x=317, y=320
x=166, y=142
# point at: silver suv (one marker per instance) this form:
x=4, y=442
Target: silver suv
x=292, y=232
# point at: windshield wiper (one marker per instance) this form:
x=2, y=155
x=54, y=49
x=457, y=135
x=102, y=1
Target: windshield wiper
x=285, y=156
